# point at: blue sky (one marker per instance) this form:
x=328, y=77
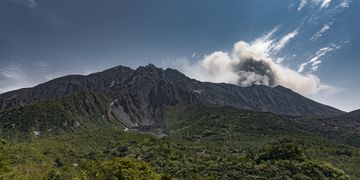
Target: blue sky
x=310, y=46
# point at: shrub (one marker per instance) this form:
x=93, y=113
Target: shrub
x=281, y=152
x=125, y=168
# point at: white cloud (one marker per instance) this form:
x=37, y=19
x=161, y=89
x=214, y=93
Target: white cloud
x=322, y=3
x=325, y=28
x=345, y=3
x=280, y=60
x=314, y=61
x=325, y=3
x=314, y=68
x=302, y=67
x=268, y=45
x=284, y=40
x=251, y=63
x=302, y=4
x=320, y=33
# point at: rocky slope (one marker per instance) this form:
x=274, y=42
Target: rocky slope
x=138, y=98
x=278, y=100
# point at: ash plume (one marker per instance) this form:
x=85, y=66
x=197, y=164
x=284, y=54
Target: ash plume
x=250, y=64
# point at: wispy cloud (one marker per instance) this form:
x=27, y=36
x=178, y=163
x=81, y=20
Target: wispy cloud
x=269, y=45
x=284, y=40
x=324, y=20
x=320, y=33
x=28, y=3
x=11, y=70
x=302, y=5
x=41, y=64
x=345, y=4
x=324, y=3
x=15, y=75
x=12, y=76
x=321, y=3
x=314, y=61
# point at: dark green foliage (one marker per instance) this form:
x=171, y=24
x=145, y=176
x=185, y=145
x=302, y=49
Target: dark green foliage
x=287, y=160
x=123, y=168
x=308, y=169
x=56, y=116
x=344, y=129
x=281, y=152
x=259, y=136
x=58, y=162
x=203, y=143
x=3, y=158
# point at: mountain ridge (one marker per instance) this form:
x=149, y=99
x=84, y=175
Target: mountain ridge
x=140, y=97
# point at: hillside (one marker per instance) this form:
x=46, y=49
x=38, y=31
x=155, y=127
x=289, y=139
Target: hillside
x=150, y=122
x=344, y=128
x=84, y=110
x=138, y=98
x=203, y=142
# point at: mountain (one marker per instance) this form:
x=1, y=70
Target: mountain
x=278, y=100
x=355, y=114
x=149, y=122
x=138, y=98
x=63, y=86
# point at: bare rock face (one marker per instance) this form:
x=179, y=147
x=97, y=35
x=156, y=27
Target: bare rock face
x=145, y=96
x=140, y=97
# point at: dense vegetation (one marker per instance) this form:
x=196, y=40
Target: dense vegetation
x=84, y=110
x=201, y=143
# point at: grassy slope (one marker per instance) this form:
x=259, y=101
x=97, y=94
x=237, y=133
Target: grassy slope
x=205, y=143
